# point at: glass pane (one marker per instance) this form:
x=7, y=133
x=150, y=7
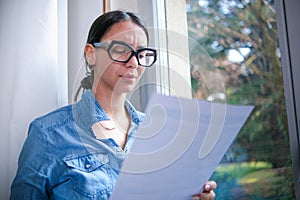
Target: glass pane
x=240, y=39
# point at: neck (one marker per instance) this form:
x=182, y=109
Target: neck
x=113, y=105
x=111, y=102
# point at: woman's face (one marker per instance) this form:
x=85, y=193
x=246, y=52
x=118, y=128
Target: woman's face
x=114, y=76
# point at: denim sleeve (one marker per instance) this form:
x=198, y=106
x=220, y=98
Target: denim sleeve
x=32, y=177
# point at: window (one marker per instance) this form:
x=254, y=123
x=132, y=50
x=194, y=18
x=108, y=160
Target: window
x=241, y=40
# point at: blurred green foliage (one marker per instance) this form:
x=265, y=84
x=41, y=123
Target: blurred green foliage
x=248, y=28
x=252, y=180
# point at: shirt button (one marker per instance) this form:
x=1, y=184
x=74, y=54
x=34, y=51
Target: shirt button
x=105, y=160
x=119, y=150
x=87, y=166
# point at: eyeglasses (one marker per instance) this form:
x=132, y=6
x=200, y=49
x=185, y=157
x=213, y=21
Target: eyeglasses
x=121, y=52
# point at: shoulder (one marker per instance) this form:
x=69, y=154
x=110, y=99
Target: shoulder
x=43, y=136
x=54, y=119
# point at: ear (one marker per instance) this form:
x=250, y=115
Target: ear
x=90, y=56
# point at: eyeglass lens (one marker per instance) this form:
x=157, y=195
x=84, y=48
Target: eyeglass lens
x=122, y=53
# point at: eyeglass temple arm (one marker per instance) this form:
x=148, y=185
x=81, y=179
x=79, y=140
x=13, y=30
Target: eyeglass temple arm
x=100, y=44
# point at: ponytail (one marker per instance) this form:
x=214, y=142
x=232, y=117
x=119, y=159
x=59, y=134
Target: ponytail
x=86, y=83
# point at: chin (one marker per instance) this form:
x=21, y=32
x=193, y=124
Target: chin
x=124, y=90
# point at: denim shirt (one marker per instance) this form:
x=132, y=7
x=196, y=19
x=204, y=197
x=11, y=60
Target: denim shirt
x=62, y=158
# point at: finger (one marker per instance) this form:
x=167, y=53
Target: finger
x=207, y=196
x=210, y=185
x=204, y=196
x=207, y=188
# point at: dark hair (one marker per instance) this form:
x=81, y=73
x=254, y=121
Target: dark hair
x=99, y=27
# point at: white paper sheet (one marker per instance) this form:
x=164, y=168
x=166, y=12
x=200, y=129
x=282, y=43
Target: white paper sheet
x=177, y=148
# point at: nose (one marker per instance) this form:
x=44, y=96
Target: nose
x=132, y=62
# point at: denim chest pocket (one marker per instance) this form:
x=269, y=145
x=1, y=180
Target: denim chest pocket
x=91, y=175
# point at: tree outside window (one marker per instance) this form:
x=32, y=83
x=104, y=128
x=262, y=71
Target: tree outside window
x=240, y=37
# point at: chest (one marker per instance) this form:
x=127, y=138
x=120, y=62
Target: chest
x=108, y=131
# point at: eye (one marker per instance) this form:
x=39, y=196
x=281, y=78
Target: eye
x=119, y=49
x=146, y=54
x=141, y=55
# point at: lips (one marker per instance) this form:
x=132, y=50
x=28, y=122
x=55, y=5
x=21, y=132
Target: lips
x=128, y=76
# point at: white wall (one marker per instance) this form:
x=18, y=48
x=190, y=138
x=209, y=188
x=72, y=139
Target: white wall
x=81, y=14
x=28, y=72
x=37, y=43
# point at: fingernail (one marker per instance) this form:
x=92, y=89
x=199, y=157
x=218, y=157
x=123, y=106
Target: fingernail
x=207, y=187
x=196, y=198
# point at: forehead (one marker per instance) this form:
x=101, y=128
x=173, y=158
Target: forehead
x=126, y=31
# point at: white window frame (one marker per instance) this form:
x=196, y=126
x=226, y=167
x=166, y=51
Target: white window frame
x=287, y=14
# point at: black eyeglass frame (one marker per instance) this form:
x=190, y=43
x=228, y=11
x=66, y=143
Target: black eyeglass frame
x=108, y=47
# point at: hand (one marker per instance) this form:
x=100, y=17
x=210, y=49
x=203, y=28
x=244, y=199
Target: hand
x=208, y=191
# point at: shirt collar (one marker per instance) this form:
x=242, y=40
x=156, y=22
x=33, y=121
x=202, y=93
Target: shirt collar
x=88, y=112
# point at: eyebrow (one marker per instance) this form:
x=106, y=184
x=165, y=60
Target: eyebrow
x=104, y=43
x=138, y=47
x=141, y=47
x=130, y=44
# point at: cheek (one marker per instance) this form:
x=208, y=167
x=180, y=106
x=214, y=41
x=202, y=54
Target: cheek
x=102, y=65
x=106, y=72
x=141, y=71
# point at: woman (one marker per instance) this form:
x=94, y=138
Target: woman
x=76, y=152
